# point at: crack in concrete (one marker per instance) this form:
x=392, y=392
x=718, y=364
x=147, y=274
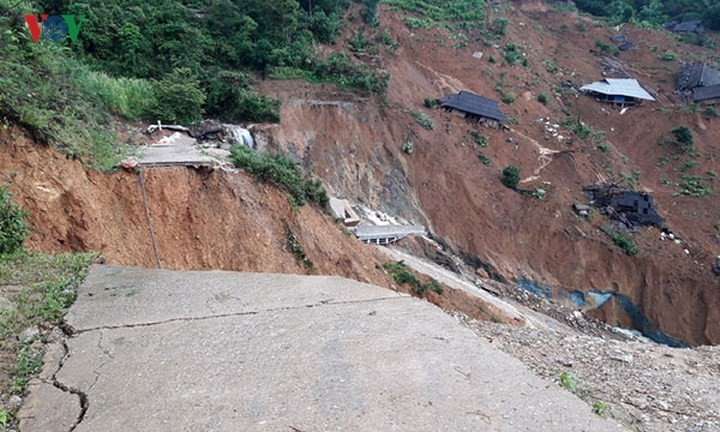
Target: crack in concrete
x=82, y=396
x=74, y=332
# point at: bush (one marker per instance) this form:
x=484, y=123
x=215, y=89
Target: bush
x=408, y=147
x=13, y=228
x=484, y=158
x=625, y=243
x=423, y=120
x=511, y=176
x=507, y=98
x=431, y=103
x=668, y=56
x=401, y=275
x=542, y=98
x=479, y=139
x=282, y=172
x=179, y=98
x=683, y=135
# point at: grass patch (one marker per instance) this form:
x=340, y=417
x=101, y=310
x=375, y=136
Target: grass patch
x=284, y=173
x=449, y=14
x=45, y=286
x=692, y=186
x=568, y=381
x=401, y=275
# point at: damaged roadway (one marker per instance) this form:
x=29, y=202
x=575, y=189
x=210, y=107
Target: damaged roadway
x=153, y=350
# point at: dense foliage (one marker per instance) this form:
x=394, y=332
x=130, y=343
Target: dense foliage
x=654, y=12
x=284, y=173
x=13, y=228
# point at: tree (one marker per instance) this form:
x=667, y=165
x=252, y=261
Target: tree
x=683, y=135
x=511, y=176
x=179, y=98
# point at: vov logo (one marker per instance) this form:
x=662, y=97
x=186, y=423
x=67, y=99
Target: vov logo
x=54, y=28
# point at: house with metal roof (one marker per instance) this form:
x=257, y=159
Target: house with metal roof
x=626, y=91
x=707, y=95
x=475, y=108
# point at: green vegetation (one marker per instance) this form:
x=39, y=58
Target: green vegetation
x=692, y=186
x=295, y=247
x=668, y=56
x=401, y=275
x=543, y=98
x=13, y=227
x=511, y=177
x=48, y=286
x=539, y=194
x=512, y=55
x=423, y=120
x=625, y=243
x=507, y=98
x=452, y=15
x=600, y=408
x=492, y=59
x=284, y=173
x=551, y=67
x=479, y=139
x=653, y=13
x=606, y=48
x=484, y=158
x=408, y=147
x=568, y=381
x=431, y=103
x=683, y=135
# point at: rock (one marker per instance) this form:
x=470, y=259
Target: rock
x=13, y=403
x=130, y=163
x=28, y=334
x=625, y=358
x=478, y=55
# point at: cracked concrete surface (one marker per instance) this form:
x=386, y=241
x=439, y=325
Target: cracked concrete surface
x=157, y=350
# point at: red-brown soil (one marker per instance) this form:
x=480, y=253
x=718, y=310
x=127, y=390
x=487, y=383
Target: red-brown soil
x=356, y=147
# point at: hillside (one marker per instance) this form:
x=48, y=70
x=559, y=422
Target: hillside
x=352, y=88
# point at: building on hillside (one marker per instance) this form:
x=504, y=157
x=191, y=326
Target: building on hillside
x=626, y=91
x=474, y=108
x=695, y=26
x=693, y=75
x=709, y=95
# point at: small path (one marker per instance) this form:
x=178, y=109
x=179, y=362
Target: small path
x=156, y=350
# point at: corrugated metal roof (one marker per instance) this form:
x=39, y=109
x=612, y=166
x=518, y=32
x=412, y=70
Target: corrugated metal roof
x=697, y=75
x=619, y=87
x=473, y=104
x=706, y=93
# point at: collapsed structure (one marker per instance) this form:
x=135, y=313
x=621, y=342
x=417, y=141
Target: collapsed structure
x=621, y=91
x=627, y=207
x=695, y=26
x=474, y=108
x=699, y=81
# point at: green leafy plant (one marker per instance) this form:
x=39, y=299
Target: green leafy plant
x=281, y=171
x=551, y=67
x=401, y=275
x=293, y=244
x=408, y=147
x=511, y=177
x=13, y=227
x=668, y=56
x=625, y=243
x=600, y=408
x=431, y=103
x=692, y=186
x=423, y=120
x=568, y=381
x=543, y=98
x=539, y=194
x=484, y=158
x=683, y=135
x=479, y=139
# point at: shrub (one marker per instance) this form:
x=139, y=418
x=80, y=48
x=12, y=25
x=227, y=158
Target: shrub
x=492, y=59
x=484, y=158
x=507, y=98
x=512, y=54
x=683, y=135
x=423, y=120
x=408, y=147
x=551, y=67
x=431, y=103
x=511, y=176
x=401, y=275
x=13, y=228
x=282, y=172
x=668, y=56
x=542, y=98
x=479, y=139
x=179, y=98
x=539, y=194
x=625, y=243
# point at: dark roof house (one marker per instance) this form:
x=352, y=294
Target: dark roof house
x=709, y=94
x=694, y=75
x=473, y=107
x=695, y=26
x=632, y=209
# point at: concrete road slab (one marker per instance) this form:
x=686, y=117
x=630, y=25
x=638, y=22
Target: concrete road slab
x=374, y=361
x=115, y=296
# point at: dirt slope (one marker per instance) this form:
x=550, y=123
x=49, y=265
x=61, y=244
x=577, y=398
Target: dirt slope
x=355, y=144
